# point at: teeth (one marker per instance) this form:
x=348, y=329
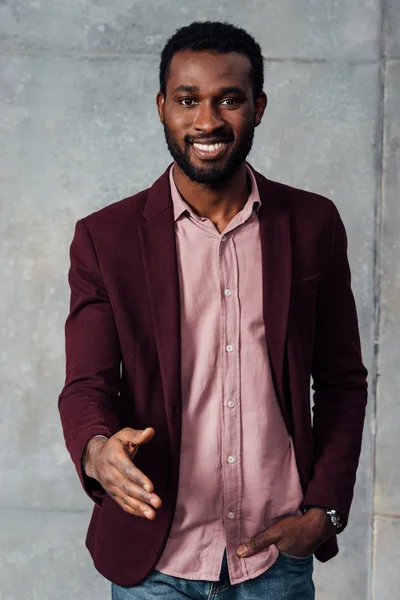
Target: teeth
x=209, y=147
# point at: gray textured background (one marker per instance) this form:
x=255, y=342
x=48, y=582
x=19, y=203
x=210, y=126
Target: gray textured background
x=79, y=130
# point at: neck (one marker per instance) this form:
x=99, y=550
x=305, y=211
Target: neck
x=219, y=203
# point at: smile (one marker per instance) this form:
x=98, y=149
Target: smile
x=210, y=151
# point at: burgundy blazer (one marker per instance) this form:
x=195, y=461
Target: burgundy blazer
x=123, y=355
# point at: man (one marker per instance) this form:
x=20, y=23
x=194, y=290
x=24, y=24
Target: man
x=200, y=308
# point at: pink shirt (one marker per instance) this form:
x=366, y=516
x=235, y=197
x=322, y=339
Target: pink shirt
x=238, y=473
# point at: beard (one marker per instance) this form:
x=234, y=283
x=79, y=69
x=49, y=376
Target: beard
x=212, y=173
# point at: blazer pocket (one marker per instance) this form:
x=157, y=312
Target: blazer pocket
x=307, y=285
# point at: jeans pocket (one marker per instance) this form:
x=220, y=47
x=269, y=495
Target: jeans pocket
x=291, y=557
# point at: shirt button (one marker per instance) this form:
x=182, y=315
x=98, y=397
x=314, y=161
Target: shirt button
x=231, y=515
x=231, y=459
x=231, y=403
x=228, y=292
x=229, y=348
x=223, y=239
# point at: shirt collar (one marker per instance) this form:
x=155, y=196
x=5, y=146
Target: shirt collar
x=181, y=207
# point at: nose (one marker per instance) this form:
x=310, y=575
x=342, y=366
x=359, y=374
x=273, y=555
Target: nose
x=207, y=118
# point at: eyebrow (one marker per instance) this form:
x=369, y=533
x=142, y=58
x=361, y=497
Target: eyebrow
x=187, y=88
x=232, y=90
x=225, y=90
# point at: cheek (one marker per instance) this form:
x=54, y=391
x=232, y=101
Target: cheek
x=249, y=122
x=178, y=121
x=242, y=125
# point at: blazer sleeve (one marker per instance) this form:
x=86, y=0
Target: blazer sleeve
x=339, y=384
x=88, y=400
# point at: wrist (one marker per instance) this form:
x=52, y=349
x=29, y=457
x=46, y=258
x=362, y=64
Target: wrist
x=319, y=527
x=317, y=515
x=334, y=518
x=93, y=448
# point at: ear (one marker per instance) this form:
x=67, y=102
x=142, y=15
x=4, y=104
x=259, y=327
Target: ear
x=160, y=100
x=259, y=107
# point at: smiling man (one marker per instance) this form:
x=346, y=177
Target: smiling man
x=200, y=310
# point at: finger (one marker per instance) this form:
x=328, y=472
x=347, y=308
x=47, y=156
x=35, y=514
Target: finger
x=127, y=488
x=130, y=497
x=130, y=471
x=132, y=506
x=263, y=540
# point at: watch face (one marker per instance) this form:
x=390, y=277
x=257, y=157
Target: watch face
x=335, y=518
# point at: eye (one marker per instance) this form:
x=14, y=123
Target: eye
x=230, y=101
x=186, y=102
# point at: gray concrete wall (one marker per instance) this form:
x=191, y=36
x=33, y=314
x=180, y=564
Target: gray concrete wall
x=78, y=130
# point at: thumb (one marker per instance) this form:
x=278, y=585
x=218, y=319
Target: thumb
x=272, y=535
x=131, y=438
x=146, y=435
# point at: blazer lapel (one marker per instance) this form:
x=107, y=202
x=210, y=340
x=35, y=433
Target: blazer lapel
x=157, y=241
x=277, y=274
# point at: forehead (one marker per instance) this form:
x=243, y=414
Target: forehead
x=207, y=70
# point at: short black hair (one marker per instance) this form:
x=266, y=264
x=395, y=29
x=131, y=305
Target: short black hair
x=215, y=36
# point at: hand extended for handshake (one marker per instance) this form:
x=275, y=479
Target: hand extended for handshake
x=110, y=463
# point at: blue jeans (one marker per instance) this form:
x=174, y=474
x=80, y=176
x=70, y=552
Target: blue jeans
x=289, y=578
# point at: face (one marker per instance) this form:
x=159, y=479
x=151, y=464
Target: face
x=209, y=113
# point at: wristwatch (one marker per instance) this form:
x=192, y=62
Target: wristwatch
x=335, y=517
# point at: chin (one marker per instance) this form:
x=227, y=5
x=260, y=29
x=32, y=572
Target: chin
x=210, y=176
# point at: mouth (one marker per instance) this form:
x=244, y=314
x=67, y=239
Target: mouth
x=210, y=151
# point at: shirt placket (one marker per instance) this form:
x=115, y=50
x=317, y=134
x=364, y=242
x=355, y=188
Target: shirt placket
x=230, y=393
